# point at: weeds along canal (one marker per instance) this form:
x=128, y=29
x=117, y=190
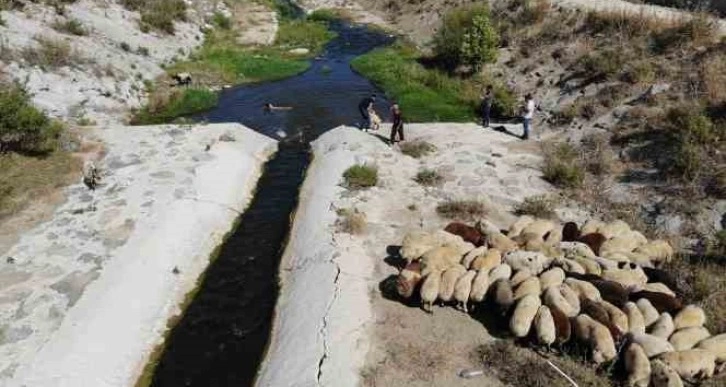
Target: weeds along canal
x=221, y=338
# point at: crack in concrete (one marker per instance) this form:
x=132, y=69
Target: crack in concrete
x=226, y=207
x=324, y=328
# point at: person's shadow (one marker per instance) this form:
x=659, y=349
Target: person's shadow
x=503, y=129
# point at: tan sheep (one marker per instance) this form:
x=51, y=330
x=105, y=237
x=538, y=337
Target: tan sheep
x=649, y=312
x=479, y=286
x=544, y=325
x=519, y=225
x=534, y=261
x=554, y=236
x=622, y=244
x=639, y=259
x=614, y=229
x=502, y=271
x=657, y=251
x=430, y=290
x=636, y=322
x=415, y=244
x=472, y=255
x=439, y=259
x=597, y=336
x=690, y=316
x=500, y=242
x=584, y=289
x=626, y=277
x=552, y=277
x=652, y=345
x=462, y=290
x=576, y=249
x=540, y=227
x=600, y=314
x=637, y=366
x=448, y=282
x=523, y=315
x=525, y=238
x=491, y=259
x=715, y=345
x=591, y=226
x=617, y=316
x=520, y=276
x=692, y=364
x=658, y=288
x=687, y=338
x=554, y=299
x=591, y=266
x=663, y=327
x=662, y=375
x=571, y=296
x=569, y=265
x=528, y=287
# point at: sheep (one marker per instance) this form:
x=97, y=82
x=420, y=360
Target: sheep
x=662, y=276
x=479, y=286
x=530, y=286
x=637, y=366
x=571, y=296
x=408, y=279
x=591, y=267
x=614, y=229
x=584, y=289
x=552, y=277
x=462, y=290
x=597, y=336
x=652, y=345
x=591, y=226
x=442, y=237
x=620, y=244
x=502, y=271
x=617, y=316
x=715, y=345
x=519, y=225
x=535, y=262
x=439, y=258
x=600, y=314
x=663, y=327
x=448, y=282
x=554, y=236
x=520, y=276
x=570, y=232
x=500, y=242
x=472, y=255
x=606, y=263
x=491, y=259
x=569, y=265
x=503, y=294
x=430, y=290
x=576, y=249
x=650, y=313
x=687, y=338
x=563, y=327
x=524, y=314
x=554, y=299
x=661, y=302
x=594, y=241
x=525, y=239
x=625, y=277
x=544, y=325
x=636, y=322
x=612, y=292
x=662, y=375
x=658, y=287
x=415, y=244
x=690, y=316
x=182, y=79
x=639, y=259
x=658, y=251
x=461, y=246
x=539, y=227
x=467, y=233
x=692, y=364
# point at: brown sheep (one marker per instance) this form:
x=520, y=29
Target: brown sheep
x=570, y=232
x=408, y=279
x=600, y=314
x=594, y=240
x=468, y=233
x=661, y=302
x=597, y=336
x=612, y=292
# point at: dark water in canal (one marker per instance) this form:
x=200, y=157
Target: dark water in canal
x=222, y=336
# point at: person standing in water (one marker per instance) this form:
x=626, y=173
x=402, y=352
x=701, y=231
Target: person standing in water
x=528, y=115
x=486, y=106
x=363, y=108
x=397, y=127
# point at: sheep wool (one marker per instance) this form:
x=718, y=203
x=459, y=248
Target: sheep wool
x=626, y=277
x=500, y=242
x=439, y=259
x=472, y=255
x=614, y=229
x=570, y=266
x=576, y=249
x=584, y=289
x=687, y=338
x=552, y=277
x=617, y=316
x=590, y=266
x=430, y=290
x=544, y=325
x=408, y=279
x=524, y=314
x=611, y=292
x=690, y=316
x=534, y=261
x=591, y=226
x=636, y=322
x=598, y=336
x=637, y=366
x=649, y=312
x=502, y=271
x=691, y=364
x=554, y=299
x=619, y=244
x=600, y=314
x=415, y=244
x=520, y=276
x=594, y=241
x=448, y=282
x=663, y=327
x=563, y=328
x=571, y=296
x=658, y=288
x=479, y=286
x=652, y=345
x=540, y=227
x=715, y=345
x=503, y=294
x=554, y=236
x=657, y=250
x=530, y=286
x=462, y=290
x=662, y=375
x=519, y=225
x=466, y=232
x=491, y=259
x=661, y=302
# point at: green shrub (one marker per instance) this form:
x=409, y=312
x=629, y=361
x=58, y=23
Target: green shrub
x=540, y=206
x=22, y=126
x=50, y=54
x=142, y=51
x=561, y=165
x=221, y=21
x=303, y=33
x=324, y=15
x=360, y=177
x=125, y=46
x=461, y=209
x=428, y=177
x=70, y=26
x=175, y=105
x=417, y=149
x=467, y=37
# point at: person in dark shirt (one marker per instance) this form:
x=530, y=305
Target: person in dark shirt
x=363, y=107
x=486, y=106
x=397, y=127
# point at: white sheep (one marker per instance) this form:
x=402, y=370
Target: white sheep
x=591, y=266
x=620, y=244
x=715, y=345
x=692, y=364
x=584, y=289
x=430, y=290
x=544, y=325
x=652, y=345
x=530, y=286
x=662, y=375
x=687, y=338
x=571, y=296
x=626, y=277
x=554, y=236
x=569, y=265
x=637, y=366
x=663, y=327
x=689, y=316
x=519, y=225
x=503, y=294
x=439, y=259
x=415, y=244
x=491, y=259
x=479, y=286
x=500, y=242
x=554, y=299
x=636, y=322
x=534, y=261
x=598, y=336
x=520, y=276
x=650, y=313
x=462, y=290
x=502, y=271
x=539, y=227
x=472, y=255
x=591, y=226
x=524, y=314
x=552, y=277
x=614, y=229
x=576, y=249
x=448, y=282
x=658, y=288
x=657, y=251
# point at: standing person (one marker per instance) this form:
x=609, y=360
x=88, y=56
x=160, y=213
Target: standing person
x=528, y=114
x=363, y=108
x=486, y=106
x=397, y=127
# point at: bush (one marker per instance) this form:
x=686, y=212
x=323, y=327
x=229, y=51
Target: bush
x=467, y=37
x=692, y=133
x=417, y=149
x=540, y=206
x=351, y=222
x=561, y=165
x=461, y=209
x=22, y=126
x=699, y=30
x=158, y=14
x=428, y=177
x=221, y=21
x=360, y=177
x=164, y=108
x=142, y=51
x=71, y=26
x=50, y=54
x=303, y=33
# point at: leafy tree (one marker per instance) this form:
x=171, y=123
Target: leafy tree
x=467, y=37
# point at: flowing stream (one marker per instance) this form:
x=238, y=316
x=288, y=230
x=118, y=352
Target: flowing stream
x=222, y=336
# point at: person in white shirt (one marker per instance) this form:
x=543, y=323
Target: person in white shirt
x=528, y=114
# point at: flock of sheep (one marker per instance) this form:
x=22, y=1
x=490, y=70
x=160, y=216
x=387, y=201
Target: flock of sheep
x=598, y=284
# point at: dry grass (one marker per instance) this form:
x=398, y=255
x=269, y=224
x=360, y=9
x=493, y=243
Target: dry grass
x=539, y=206
x=562, y=165
x=713, y=79
x=462, y=209
x=360, y=177
x=428, y=177
x=351, y=221
x=51, y=53
x=417, y=149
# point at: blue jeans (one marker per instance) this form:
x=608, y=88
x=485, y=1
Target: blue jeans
x=485, y=113
x=527, y=127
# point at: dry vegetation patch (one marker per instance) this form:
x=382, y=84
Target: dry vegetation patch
x=540, y=206
x=351, y=221
x=462, y=209
x=417, y=149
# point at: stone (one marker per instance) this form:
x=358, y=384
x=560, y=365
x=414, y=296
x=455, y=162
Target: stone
x=299, y=51
x=226, y=137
